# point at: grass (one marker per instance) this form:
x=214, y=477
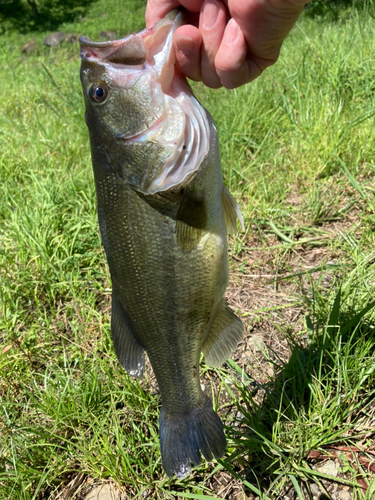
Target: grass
x=321, y=397
x=298, y=153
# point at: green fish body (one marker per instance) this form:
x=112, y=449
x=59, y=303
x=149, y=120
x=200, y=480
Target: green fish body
x=164, y=214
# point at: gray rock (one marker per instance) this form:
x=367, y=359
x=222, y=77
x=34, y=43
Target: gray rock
x=29, y=47
x=237, y=496
x=104, y=492
x=344, y=495
x=71, y=38
x=315, y=490
x=54, y=39
x=256, y=343
x=330, y=468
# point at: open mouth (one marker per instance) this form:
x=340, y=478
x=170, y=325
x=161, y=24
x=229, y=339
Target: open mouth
x=128, y=58
x=178, y=122
x=153, y=47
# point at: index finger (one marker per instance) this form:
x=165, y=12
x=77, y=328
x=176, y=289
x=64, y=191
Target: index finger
x=157, y=9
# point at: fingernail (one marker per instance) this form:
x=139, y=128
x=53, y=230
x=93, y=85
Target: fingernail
x=184, y=44
x=211, y=11
x=231, y=32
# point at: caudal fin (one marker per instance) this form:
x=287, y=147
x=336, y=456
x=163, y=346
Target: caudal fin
x=184, y=438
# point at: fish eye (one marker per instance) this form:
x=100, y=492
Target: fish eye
x=98, y=92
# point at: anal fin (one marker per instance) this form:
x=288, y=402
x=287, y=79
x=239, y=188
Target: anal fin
x=128, y=350
x=225, y=333
x=231, y=212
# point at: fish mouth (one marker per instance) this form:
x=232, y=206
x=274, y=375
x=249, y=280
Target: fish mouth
x=152, y=47
x=181, y=124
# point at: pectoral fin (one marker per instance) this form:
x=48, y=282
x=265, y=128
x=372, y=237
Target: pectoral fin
x=225, y=333
x=191, y=222
x=128, y=350
x=231, y=212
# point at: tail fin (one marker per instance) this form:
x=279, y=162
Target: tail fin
x=183, y=437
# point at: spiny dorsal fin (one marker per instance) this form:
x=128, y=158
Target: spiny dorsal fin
x=231, y=212
x=128, y=350
x=191, y=222
x=225, y=333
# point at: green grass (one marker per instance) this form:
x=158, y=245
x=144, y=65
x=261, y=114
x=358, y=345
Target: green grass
x=322, y=396
x=298, y=152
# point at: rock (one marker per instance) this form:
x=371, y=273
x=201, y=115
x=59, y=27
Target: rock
x=104, y=492
x=330, y=468
x=237, y=496
x=344, y=495
x=54, y=39
x=256, y=343
x=71, y=38
x=108, y=35
x=315, y=490
x=29, y=47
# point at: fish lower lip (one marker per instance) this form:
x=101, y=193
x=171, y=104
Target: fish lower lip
x=126, y=137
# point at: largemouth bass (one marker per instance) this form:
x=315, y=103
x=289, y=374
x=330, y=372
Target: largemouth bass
x=163, y=213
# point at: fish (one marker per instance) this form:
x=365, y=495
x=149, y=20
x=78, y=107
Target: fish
x=164, y=214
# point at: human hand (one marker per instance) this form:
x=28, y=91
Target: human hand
x=231, y=42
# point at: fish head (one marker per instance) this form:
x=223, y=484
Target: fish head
x=138, y=107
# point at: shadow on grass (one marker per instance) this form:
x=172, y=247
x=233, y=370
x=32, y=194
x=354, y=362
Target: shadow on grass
x=324, y=385
x=41, y=15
